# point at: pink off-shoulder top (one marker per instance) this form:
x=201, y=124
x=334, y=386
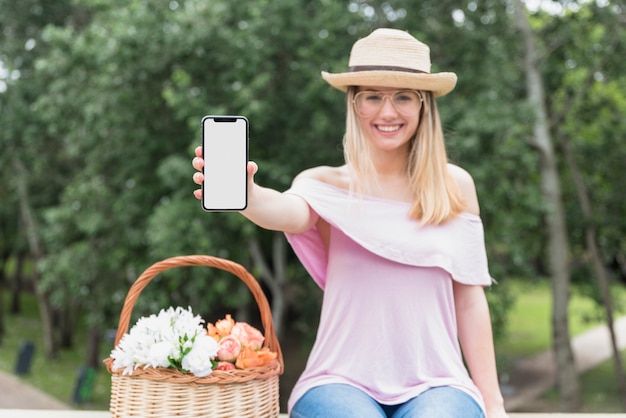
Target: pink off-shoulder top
x=388, y=324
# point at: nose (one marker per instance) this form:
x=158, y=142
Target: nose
x=387, y=108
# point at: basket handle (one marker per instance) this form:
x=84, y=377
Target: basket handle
x=271, y=341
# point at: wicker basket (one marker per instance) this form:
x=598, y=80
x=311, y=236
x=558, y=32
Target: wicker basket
x=163, y=392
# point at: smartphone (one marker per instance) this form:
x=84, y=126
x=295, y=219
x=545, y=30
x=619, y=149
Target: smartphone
x=225, y=153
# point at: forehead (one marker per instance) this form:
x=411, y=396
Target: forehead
x=377, y=88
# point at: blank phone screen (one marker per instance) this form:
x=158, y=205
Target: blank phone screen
x=225, y=148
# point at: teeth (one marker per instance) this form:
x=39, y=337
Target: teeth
x=389, y=128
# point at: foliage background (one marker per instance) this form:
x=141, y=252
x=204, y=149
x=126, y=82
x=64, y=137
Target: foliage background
x=101, y=100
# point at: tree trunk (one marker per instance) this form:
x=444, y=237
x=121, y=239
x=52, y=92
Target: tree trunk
x=2, y=286
x=593, y=251
x=17, y=284
x=94, y=339
x=597, y=264
x=32, y=234
x=558, y=248
x=275, y=278
x=67, y=318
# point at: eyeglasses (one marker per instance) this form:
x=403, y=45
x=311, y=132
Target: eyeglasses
x=369, y=102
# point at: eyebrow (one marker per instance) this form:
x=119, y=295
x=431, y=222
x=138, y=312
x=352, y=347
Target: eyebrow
x=384, y=91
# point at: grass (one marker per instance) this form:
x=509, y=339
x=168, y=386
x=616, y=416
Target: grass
x=598, y=388
x=529, y=330
x=528, y=333
x=57, y=377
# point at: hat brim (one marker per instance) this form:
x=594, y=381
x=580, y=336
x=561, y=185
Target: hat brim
x=439, y=83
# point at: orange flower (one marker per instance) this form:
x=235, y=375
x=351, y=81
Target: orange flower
x=225, y=326
x=212, y=332
x=249, y=357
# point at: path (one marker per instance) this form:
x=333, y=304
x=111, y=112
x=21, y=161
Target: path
x=533, y=376
x=15, y=394
x=530, y=379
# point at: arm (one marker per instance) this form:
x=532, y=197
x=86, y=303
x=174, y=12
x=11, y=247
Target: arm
x=267, y=208
x=475, y=336
x=473, y=319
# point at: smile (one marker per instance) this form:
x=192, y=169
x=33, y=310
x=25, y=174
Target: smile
x=388, y=128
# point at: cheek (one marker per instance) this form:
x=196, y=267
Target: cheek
x=413, y=126
x=366, y=124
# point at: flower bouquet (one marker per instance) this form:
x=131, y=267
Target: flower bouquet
x=170, y=364
x=240, y=346
x=176, y=338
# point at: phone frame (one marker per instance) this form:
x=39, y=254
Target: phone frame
x=244, y=174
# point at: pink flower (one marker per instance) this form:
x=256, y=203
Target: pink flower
x=248, y=335
x=225, y=366
x=229, y=348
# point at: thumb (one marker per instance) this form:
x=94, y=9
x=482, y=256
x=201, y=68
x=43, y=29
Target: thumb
x=252, y=170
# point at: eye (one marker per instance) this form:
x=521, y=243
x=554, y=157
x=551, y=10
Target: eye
x=372, y=97
x=404, y=97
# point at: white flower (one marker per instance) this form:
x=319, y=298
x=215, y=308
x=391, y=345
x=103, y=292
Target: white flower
x=185, y=323
x=160, y=354
x=198, y=360
x=174, y=337
x=122, y=359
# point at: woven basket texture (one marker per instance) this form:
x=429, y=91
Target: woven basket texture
x=162, y=392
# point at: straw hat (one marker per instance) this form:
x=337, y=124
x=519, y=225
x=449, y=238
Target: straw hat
x=391, y=58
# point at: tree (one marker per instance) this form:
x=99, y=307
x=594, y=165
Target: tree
x=587, y=89
x=23, y=24
x=558, y=247
x=107, y=104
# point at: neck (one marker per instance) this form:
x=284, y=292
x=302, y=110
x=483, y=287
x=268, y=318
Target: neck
x=390, y=165
x=391, y=180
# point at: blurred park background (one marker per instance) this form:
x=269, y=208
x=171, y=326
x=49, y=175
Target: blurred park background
x=100, y=109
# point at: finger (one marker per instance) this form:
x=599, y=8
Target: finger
x=198, y=193
x=197, y=163
x=252, y=169
x=198, y=178
x=199, y=151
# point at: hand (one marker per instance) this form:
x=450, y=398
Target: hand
x=496, y=412
x=198, y=177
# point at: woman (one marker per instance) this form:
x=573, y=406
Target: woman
x=395, y=240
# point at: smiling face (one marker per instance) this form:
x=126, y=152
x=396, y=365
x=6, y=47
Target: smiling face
x=390, y=118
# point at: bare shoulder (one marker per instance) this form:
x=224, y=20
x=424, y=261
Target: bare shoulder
x=462, y=177
x=335, y=176
x=468, y=189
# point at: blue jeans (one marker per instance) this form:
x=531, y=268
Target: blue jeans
x=345, y=401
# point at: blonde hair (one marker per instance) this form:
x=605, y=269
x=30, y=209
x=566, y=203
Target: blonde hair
x=437, y=195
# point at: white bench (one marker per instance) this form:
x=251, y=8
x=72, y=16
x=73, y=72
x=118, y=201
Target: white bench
x=39, y=413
